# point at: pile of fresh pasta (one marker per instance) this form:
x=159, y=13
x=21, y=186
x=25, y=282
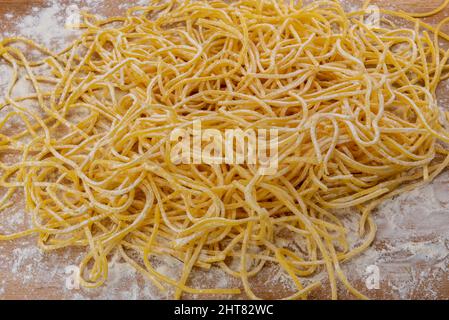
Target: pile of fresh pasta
x=354, y=104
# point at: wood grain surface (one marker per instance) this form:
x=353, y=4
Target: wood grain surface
x=45, y=279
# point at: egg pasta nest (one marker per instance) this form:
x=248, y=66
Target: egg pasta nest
x=354, y=105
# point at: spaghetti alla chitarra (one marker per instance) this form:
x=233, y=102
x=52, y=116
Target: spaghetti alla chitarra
x=354, y=104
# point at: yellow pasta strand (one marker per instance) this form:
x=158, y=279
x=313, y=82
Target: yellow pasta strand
x=432, y=12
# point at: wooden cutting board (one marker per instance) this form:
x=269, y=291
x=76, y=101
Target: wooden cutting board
x=27, y=274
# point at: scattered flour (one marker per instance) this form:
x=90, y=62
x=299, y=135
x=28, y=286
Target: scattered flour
x=45, y=26
x=412, y=244
x=48, y=25
x=137, y=3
